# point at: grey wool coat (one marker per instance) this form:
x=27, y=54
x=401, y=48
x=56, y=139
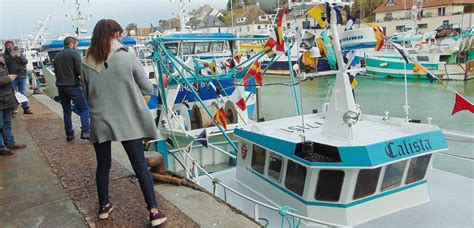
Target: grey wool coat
x=118, y=110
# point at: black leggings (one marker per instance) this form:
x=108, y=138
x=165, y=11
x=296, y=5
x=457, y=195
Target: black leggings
x=136, y=155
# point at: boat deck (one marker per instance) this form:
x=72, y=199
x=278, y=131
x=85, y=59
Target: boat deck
x=451, y=205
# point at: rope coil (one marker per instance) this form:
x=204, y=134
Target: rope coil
x=292, y=223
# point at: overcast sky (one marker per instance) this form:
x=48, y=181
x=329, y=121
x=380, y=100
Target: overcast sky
x=20, y=17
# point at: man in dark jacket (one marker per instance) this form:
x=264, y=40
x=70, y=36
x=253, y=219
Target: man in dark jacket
x=67, y=67
x=7, y=102
x=16, y=64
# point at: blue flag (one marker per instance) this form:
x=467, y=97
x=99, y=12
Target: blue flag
x=202, y=138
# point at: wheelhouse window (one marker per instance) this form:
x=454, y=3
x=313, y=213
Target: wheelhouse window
x=417, y=169
x=172, y=48
x=444, y=58
x=201, y=47
x=366, y=182
x=258, y=158
x=329, y=185
x=217, y=46
x=188, y=48
x=295, y=177
x=393, y=175
x=423, y=58
x=275, y=166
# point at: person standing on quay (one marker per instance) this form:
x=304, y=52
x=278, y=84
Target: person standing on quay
x=16, y=64
x=114, y=82
x=7, y=103
x=67, y=67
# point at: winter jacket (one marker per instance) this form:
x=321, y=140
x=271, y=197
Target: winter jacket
x=16, y=65
x=67, y=67
x=7, y=98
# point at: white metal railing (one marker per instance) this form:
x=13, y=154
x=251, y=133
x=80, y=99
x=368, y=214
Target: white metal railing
x=216, y=181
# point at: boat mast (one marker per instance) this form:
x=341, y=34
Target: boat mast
x=342, y=104
x=79, y=18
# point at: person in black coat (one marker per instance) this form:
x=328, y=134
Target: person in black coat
x=7, y=103
x=16, y=64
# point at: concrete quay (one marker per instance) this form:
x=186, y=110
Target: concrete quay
x=51, y=183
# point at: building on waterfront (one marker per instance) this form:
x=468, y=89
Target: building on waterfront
x=396, y=15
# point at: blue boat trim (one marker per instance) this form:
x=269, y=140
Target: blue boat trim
x=357, y=156
x=339, y=205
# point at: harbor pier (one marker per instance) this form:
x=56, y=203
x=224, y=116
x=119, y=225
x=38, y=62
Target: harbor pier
x=51, y=183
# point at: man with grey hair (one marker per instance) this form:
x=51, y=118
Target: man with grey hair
x=67, y=67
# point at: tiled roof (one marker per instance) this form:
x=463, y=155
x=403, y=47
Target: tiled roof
x=399, y=4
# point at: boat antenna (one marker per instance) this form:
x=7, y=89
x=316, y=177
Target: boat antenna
x=79, y=18
x=406, y=106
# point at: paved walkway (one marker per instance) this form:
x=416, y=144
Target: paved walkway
x=52, y=184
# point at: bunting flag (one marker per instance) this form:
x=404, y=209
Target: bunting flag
x=238, y=99
x=202, y=138
x=280, y=45
x=189, y=148
x=338, y=13
x=461, y=104
x=380, y=36
x=401, y=52
x=268, y=47
x=220, y=117
x=351, y=20
x=354, y=82
x=255, y=71
x=317, y=13
x=424, y=71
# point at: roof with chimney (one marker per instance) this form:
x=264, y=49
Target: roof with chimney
x=398, y=5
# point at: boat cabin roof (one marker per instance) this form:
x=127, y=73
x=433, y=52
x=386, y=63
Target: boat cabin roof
x=375, y=141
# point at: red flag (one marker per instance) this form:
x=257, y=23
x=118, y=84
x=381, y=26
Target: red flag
x=238, y=99
x=268, y=47
x=279, y=30
x=255, y=71
x=462, y=104
x=220, y=117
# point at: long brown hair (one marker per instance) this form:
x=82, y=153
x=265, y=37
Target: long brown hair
x=101, y=39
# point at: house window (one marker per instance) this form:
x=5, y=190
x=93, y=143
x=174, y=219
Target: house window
x=422, y=26
x=240, y=20
x=259, y=27
x=417, y=168
x=390, y=3
x=329, y=185
x=388, y=16
x=258, y=158
x=274, y=167
x=393, y=175
x=446, y=22
x=400, y=28
x=295, y=177
x=366, y=182
x=442, y=11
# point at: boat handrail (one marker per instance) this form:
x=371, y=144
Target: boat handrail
x=216, y=181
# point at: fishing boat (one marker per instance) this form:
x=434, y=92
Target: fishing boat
x=199, y=95
x=339, y=167
x=435, y=55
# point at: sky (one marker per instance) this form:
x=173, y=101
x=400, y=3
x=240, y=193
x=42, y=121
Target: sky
x=19, y=17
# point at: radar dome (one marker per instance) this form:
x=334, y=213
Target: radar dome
x=132, y=33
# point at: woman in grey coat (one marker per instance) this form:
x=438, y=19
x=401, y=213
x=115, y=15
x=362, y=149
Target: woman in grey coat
x=114, y=82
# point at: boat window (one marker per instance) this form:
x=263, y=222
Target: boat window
x=317, y=152
x=417, y=168
x=444, y=58
x=188, y=48
x=274, y=168
x=172, y=48
x=217, y=46
x=393, y=175
x=258, y=158
x=422, y=58
x=201, y=47
x=366, y=182
x=329, y=185
x=295, y=177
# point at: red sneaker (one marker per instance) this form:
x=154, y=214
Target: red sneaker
x=157, y=218
x=104, y=211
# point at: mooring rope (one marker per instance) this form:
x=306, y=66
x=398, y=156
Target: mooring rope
x=283, y=211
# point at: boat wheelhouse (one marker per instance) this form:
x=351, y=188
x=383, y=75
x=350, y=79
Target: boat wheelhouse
x=380, y=171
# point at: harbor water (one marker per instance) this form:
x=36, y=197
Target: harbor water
x=376, y=96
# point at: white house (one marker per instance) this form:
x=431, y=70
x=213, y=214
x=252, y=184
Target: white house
x=395, y=15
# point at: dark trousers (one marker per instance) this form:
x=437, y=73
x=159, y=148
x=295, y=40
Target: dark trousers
x=136, y=155
x=73, y=93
